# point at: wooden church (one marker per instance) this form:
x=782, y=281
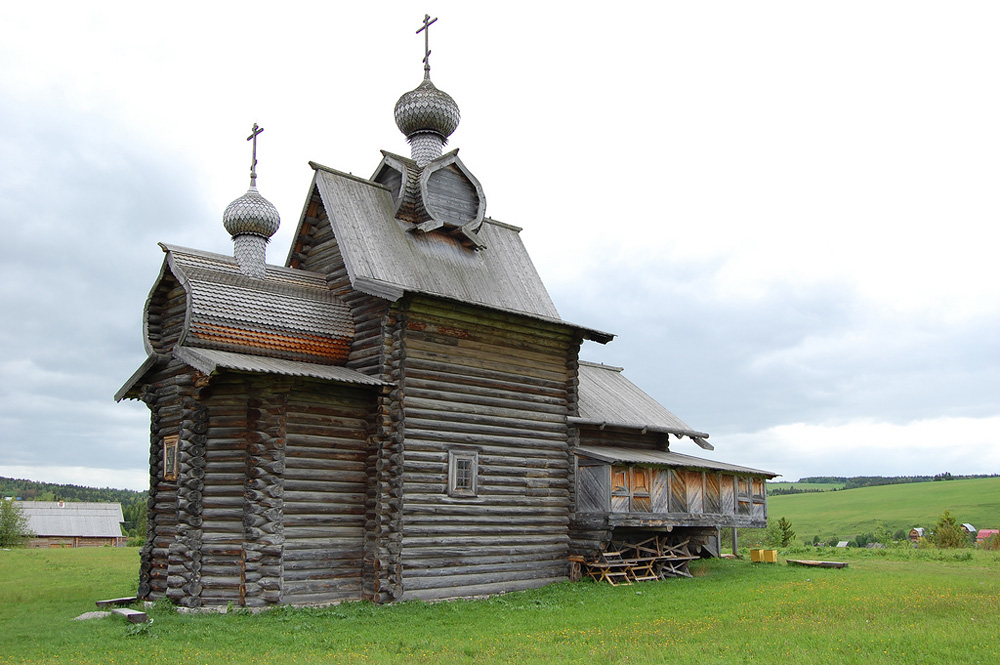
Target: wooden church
x=398, y=412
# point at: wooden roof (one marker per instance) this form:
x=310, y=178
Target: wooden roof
x=663, y=458
x=289, y=314
x=608, y=398
x=386, y=257
x=209, y=361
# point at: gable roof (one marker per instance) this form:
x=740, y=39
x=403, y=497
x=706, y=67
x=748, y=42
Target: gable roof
x=608, y=398
x=386, y=258
x=66, y=518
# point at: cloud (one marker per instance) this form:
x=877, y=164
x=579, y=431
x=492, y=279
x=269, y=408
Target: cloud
x=78, y=198
x=920, y=447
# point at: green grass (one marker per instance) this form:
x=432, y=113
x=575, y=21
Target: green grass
x=888, y=607
x=851, y=512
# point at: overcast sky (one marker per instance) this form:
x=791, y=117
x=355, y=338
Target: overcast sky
x=786, y=211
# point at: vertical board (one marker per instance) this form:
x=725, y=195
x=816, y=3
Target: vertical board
x=639, y=481
x=660, y=491
x=593, y=488
x=695, y=492
x=678, y=491
x=727, y=494
x=713, y=501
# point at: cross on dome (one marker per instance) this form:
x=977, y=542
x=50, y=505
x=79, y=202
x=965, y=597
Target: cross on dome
x=426, y=29
x=253, y=164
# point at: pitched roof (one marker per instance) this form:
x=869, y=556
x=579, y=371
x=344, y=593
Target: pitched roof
x=663, y=458
x=289, y=314
x=608, y=398
x=66, y=518
x=209, y=361
x=385, y=258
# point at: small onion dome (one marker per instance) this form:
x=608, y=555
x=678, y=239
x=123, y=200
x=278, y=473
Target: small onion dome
x=252, y=214
x=426, y=109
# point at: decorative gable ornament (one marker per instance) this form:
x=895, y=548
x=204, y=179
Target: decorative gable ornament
x=440, y=195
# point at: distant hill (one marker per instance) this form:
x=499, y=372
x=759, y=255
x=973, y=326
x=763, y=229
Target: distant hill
x=824, y=483
x=31, y=490
x=842, y=515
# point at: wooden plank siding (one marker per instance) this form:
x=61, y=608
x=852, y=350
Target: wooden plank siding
x=482, y=381
x=676, y=498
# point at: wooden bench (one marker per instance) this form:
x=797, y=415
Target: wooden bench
x=609, y=567
x=133, y=616
x=116, y=602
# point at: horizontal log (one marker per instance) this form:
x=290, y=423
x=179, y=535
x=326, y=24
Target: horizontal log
x=469, y=590
x=485, y=423
x=449, y=581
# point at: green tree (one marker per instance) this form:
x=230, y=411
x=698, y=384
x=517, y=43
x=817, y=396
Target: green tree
x=949, y=533
x=787, y=535
x=14, y=531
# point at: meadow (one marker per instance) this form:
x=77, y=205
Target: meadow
x=899, y=606
x=848, y=513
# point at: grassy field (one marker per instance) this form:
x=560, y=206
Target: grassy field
x=850, y=512
x=904, y=606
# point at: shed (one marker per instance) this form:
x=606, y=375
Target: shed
x=917, y=533
x=74, y=524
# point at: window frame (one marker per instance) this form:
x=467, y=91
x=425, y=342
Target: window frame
x=455, y=460
x=171, y=444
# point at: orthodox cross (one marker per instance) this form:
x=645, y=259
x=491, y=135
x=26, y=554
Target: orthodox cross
x=428, y=21
x=253, y=165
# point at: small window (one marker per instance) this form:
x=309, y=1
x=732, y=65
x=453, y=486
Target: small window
x=463, y=467
x=170, y=457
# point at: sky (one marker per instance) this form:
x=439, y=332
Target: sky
x=787, y=212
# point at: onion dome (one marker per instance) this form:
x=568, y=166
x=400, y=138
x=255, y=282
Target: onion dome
x=427, y=109
x=251, y=214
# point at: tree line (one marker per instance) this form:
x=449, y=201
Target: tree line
x=133, y=502
x=853, y=482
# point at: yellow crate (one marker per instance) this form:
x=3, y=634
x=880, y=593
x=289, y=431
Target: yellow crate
x=770, y=556
x=756, y=555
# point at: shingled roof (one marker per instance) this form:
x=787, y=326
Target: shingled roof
x=289, y=314
x=288, y=322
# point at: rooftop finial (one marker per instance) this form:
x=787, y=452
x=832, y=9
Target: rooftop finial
x=428, y=21
x=251, y=220
x=253, y=165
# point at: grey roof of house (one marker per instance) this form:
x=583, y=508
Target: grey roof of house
x=663, y=458
x=608, y=398
x=289, y=314
x=54, y=518
x=384, y=258
x=209, y=361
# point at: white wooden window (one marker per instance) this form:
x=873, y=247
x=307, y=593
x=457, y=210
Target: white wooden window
x=463, y=469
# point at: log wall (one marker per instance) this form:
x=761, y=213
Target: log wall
x=325, y=485
x=480, y=381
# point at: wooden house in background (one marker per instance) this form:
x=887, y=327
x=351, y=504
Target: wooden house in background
x=399, y=412
x=74, y=524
